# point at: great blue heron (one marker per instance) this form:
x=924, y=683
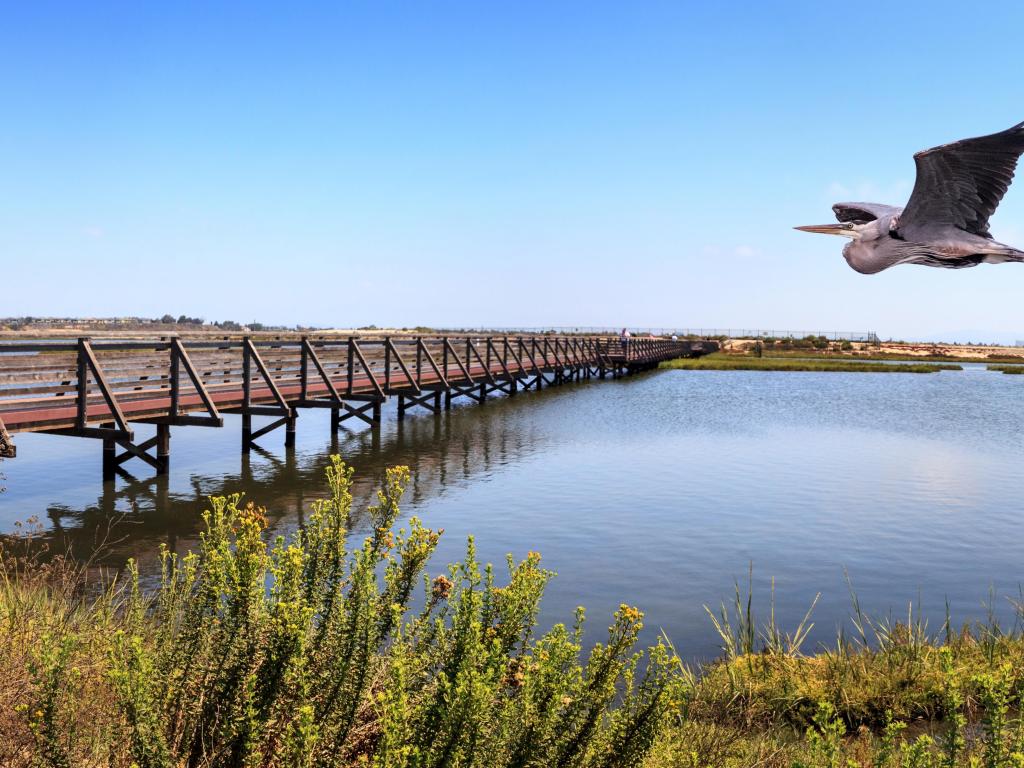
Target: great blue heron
x=945, y=223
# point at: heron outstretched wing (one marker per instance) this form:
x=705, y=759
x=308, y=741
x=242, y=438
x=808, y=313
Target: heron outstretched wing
x=863, y=211
x=961, y=184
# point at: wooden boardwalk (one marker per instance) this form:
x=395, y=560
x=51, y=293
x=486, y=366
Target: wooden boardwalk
x=99, y=389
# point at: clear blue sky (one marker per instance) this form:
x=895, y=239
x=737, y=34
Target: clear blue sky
x=490, y=163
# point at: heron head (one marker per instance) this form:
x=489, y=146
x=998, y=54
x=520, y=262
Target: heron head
x=843, y=228
x=868, y=251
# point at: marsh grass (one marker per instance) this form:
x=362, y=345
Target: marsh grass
x=1011, y=369
x=891, y=694
x=725, y=362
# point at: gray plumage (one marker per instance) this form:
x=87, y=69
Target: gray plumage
x=945, y=222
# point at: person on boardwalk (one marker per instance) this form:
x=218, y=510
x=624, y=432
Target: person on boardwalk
x=624, y=340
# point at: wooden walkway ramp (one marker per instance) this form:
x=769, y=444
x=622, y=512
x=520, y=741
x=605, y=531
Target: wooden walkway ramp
x=99, y=389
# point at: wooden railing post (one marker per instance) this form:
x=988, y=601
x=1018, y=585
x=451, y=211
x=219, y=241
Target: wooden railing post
x=419, y=361
x=175, y=380
x=304, y=369
x=351, y=364
x=246, y=396
x=83, y=382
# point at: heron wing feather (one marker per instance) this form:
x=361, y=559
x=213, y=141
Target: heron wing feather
x=863, y=211
x=961, y=184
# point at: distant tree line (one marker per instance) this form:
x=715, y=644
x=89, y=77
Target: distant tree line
x=182, y=320
x=27, y=322
x=224, y=325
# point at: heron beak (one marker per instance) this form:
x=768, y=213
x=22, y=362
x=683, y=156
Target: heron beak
x=844, y=230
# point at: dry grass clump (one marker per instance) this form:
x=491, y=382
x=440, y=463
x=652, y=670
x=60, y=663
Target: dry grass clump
x=56, y=706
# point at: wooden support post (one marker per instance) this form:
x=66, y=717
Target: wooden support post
x=109, y=458
x=437, y=402
x=163, y=448
x=401, y=407
x=246, y=432
x=335, y=420
x=376, y=412
x=289, y=431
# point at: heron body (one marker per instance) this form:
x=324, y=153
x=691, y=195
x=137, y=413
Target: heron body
x=945, y=222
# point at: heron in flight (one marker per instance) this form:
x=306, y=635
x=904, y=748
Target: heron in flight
x=945, y=222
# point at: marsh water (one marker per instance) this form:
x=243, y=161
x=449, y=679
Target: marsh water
x=658, y=490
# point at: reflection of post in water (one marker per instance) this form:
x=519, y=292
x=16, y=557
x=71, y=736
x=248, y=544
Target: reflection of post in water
x=439, y=450
x=245, y=473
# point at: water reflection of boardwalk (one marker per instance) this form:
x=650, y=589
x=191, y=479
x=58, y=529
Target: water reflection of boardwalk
x=442, y=452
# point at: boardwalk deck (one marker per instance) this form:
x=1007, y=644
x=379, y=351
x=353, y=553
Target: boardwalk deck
x=98, y=389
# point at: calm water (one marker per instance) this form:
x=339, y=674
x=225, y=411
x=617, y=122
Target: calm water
x=657, y=490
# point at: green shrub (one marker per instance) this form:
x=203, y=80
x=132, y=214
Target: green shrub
x=309, y=651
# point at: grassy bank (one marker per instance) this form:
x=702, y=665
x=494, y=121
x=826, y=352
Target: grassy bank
x=317, y=651
x=831, y=355
x=725, y=362
x=1011, y=369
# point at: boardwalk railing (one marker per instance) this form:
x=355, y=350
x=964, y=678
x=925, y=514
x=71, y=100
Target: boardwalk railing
x=99, y=389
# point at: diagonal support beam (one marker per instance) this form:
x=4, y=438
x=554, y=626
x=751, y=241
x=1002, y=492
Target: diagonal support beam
x=310, y=354
x=250, y=350
x=350, y=411
x=392, y=350
x=471, y=347
x=268, y=428
x=354, y=347
x=140, y=451
x=472, y=392
x=87, y=361
x=156, y=452
x=433, y=363
x=492, y=350
x=180, y=359
x=465, y=371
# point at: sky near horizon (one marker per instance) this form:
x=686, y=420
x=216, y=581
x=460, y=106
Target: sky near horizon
x=529, y=163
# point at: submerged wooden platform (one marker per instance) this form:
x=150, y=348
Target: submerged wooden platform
x=99, y=389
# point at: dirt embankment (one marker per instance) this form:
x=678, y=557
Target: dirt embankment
x=977, y=352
